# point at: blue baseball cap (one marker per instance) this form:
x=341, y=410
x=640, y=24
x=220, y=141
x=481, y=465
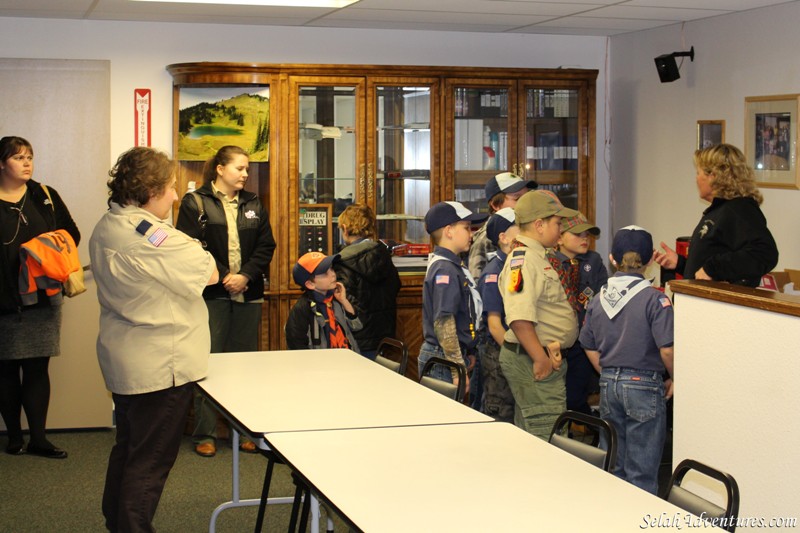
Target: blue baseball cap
x=446, y=213
x=499, y=223
x=632, y=239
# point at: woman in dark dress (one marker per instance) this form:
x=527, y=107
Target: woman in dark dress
x=30, y=334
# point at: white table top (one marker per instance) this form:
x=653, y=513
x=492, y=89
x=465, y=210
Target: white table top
x=265, y=392
x=464, y=478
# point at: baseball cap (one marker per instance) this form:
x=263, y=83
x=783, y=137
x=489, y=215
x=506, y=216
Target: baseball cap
x=446, y=213
x=540, y=204
x=506, y=182
x=499, y=223
x=632, y=239
x=578, y=224
x=310, y=265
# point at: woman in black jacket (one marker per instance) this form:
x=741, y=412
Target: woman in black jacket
x=29, y=335
x=732, y=242
x=234, y=227
x=366, y=270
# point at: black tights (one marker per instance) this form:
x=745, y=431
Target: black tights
x=25, y=383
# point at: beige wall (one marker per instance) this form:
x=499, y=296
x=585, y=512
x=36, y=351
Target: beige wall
x=736, y=382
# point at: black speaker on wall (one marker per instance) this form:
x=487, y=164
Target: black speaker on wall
x=667, y=66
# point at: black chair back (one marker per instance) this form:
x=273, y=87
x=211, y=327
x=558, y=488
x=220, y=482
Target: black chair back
x=392, y=354
x=455, y=392
x=688, y=501
x=590, y=453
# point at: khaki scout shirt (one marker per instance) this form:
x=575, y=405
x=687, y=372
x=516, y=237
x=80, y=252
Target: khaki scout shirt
x=541, y=300
x=153, y=324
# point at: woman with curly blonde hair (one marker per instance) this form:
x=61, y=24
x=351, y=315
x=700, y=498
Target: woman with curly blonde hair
x=732, y=242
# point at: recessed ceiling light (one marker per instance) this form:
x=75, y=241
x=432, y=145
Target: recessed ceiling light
x=283, y=3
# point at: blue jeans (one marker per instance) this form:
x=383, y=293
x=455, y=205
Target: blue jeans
x=428, y=350
x=633, y=402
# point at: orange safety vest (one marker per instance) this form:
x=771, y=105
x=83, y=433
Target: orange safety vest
x=46, y=261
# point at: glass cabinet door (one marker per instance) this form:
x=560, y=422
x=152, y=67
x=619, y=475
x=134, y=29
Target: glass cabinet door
x=329, y=159
x=552, y=141
x=481, y=144
x=401, y=151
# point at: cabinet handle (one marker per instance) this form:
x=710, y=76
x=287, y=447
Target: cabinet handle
x=370, y=183
x=521, y=170
x=515, y=170
x=361, y=185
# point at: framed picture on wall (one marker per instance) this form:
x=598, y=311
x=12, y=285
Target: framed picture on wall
x=212, y=117
x=771, y=139
x=709, y=133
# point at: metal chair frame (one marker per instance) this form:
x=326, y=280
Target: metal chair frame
x=455, y=392
x=391, y=364
x=604, y=459
x=698, y=505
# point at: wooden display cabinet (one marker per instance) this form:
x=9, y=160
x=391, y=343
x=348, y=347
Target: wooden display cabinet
x=387, y=136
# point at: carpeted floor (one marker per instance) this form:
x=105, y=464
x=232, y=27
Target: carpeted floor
x=46, y=495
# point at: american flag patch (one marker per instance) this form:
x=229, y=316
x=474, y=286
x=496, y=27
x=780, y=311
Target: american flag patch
x=158, y=237
x=665, y=302
x=442, y=279
x=517, y=262
x=491, y=278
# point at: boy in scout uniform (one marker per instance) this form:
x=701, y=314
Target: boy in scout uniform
x=540, y=318
x=451, y=305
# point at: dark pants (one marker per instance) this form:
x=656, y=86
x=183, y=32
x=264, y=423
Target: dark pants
x=580, y=380
x=149, y=431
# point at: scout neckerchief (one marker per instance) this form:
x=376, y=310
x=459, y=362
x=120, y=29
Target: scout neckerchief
x=619, y=291
x=336, y=336
x=475, y=302
x=333, y=330
x=569, y=276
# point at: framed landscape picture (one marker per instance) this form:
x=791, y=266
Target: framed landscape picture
x=771, y=139
x=210, y=118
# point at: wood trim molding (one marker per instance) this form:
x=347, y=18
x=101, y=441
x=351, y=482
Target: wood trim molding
x=774, y=302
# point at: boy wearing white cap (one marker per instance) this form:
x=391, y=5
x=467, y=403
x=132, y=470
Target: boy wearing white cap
x=628, y=337
x=503, y=190
x=451, y=305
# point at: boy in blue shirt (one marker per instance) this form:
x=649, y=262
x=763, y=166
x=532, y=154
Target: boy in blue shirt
x=497, y=400
x=451, y=305
x=628, y=337
x=586, y=274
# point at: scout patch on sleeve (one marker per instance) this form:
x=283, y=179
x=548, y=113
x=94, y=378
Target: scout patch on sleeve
x=665, y=302
x=491, y=278
x=515, y=280
x=442, y=279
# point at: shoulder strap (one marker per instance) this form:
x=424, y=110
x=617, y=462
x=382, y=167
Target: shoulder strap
x=201, y=210
x=47, y=192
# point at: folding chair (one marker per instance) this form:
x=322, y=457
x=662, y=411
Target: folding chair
x=392, y=354
x=455, y=392
x=590, y=453
x=688, y=501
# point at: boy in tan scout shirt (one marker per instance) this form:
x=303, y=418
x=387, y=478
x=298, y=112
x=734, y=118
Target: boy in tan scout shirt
x=538, y=314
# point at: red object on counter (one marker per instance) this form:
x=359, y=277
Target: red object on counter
x=682, y=247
